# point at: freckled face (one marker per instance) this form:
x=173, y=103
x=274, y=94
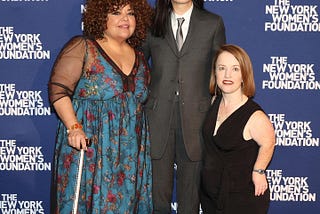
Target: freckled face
x=228, y=73
x=121, y=24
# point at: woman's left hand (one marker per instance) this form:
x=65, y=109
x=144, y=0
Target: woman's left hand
x=260, y=183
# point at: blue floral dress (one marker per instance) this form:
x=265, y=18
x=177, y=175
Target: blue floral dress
x=116, y=176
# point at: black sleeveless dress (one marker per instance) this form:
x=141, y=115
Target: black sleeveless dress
x=226, y=182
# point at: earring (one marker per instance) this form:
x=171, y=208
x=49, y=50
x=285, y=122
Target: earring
x=216, y=89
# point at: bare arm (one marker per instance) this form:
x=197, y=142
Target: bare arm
x=261, y=130
x=66, y=113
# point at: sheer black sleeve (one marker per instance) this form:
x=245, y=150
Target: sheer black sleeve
x=67, y=69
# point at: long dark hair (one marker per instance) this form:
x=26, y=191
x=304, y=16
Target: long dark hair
x=163, y=9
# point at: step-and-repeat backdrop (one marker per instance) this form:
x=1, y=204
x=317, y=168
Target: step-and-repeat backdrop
x=281, y=36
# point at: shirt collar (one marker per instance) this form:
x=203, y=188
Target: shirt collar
x=186, y=16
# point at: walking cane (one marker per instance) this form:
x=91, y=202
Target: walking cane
x=77, y=190
x=79, y=175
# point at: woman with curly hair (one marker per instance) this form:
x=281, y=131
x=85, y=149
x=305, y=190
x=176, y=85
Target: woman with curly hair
x=98, y=87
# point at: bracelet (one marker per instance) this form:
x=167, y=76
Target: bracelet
x=260, y=171
x=74, y=126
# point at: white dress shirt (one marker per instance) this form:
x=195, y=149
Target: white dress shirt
x=185, y=25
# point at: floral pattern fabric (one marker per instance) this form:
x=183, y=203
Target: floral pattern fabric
x=116, y=175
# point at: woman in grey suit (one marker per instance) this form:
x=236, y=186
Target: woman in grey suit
x=179, y=97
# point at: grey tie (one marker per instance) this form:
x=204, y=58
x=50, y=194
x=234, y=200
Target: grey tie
x=179, y=35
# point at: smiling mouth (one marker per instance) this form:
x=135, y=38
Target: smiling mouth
x=123, y=26
x=227, y=82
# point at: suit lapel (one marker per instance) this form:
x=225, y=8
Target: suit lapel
x=192, y=29
x=171, y=40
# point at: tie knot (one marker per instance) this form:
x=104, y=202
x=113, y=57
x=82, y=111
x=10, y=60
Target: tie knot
x=180, y=21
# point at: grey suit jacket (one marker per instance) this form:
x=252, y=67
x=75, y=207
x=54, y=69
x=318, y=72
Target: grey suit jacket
x=187, y=71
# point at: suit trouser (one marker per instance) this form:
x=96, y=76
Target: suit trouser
x=187, y=174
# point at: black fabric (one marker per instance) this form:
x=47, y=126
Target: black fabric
x=226, y=177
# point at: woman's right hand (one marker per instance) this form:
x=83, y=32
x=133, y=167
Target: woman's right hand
x=78, y=139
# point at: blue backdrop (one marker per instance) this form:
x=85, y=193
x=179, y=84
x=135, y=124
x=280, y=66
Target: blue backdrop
x=281, y=36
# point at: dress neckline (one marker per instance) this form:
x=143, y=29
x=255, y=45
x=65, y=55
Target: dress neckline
x=114, y=65
x=215, y=132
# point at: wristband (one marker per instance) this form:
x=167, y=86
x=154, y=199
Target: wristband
x=74, y=126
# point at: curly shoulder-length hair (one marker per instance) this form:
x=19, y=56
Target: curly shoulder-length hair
x=95, y=18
